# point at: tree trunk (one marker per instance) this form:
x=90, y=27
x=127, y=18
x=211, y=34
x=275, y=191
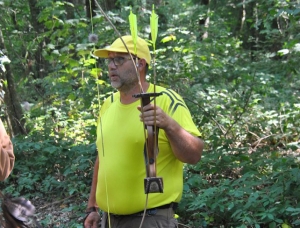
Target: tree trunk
x=204, y=22
x=40, y=64
x=90, y=7
x=70, y=9
x=109, y=5
x=14, y=112
x=249, y=33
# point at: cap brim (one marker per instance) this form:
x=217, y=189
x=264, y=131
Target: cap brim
x=103, y=53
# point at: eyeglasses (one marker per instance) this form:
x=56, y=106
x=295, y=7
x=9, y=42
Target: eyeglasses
x=118, y=61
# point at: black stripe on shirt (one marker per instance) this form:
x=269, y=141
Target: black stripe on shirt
x=175, y=101
x=112, y=98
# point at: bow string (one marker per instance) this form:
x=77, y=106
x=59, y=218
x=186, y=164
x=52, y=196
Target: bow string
x=152, y=183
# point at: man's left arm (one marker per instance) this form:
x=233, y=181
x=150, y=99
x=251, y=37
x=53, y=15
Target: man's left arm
x=186, y=147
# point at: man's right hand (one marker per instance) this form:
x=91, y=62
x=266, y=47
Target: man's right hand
x=92, y=220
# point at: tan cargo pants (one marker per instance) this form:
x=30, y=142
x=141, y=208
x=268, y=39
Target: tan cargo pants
x=163, y=218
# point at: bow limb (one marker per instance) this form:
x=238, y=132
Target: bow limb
x=131, y=57
x=151, y=138
x=152, y=183
x=137, y=73
x=151, y=146
x=154, y=29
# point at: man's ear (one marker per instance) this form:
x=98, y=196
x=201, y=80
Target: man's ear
x=141, y=63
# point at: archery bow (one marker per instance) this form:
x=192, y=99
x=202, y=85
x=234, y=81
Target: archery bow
x=152, y=183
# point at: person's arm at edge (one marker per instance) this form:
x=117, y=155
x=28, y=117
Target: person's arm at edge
x=7, y=157
x=92, y=197
x=93, y=217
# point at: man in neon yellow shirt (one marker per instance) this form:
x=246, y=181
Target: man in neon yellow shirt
x=119, y=172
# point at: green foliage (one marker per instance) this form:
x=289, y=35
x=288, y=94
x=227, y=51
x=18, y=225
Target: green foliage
x=261, y=190
x=51, y=165
x=241, y=84
x=52, y=169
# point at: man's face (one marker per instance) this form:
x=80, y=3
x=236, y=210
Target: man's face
x=121, y=71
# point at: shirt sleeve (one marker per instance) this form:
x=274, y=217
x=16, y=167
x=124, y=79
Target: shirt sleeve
x=175, y=106
x=7, y=157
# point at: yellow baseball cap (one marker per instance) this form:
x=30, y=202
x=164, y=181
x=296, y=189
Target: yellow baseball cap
x=142, y=49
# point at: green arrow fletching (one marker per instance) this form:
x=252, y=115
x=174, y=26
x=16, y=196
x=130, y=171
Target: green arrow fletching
x=133, y=28
x=153, y=26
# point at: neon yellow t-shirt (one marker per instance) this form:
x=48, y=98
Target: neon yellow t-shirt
x=120, y=143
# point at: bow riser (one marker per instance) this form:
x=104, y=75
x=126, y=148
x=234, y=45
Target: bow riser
x=152, y=183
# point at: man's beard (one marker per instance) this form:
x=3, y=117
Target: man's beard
x=125, y=83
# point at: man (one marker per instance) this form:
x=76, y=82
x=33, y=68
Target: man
x=119, y=172
x=7, y=157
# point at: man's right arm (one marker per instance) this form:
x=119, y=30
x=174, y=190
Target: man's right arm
x=93, y=218
x=92, y=198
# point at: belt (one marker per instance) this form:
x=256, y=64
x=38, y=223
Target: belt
x=161, y=210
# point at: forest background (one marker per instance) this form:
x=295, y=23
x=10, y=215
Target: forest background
x=236, y=64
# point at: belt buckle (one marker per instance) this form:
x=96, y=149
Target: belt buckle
x=151, y=212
